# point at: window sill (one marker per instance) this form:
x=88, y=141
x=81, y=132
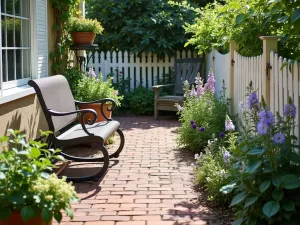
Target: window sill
x=16, y=93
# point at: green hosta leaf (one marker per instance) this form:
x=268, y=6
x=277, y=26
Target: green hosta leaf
x=239, y=18
x=27, y=213
x=252, y=167
x=238, y=198
x=290, y=181
x=69, y=212
x=5, y=213
x=277, y=195
x=228, y=188
x=250, y=200
x=58, y=216
x=35, y=153
x=276, y=181
x=264, y=186
x=295, y=15
x=256, y=151
x=271, y=208
x=288, y=205
x=2, y=176
x=46, y=215
x=238, y=221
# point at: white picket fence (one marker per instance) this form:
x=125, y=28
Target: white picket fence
x=144, y=70
x=246, y=69
x=283, y=80
x=284, y=83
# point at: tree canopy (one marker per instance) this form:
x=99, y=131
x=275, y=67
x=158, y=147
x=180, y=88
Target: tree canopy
x=142, y=25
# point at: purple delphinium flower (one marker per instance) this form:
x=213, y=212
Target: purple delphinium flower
x=262, y=128
x=226, y=156
x=290, y=110
x=266, y=117
x=252, y=100
x=222, y=134
x=202, y=129
x=229, y=125
x=192, y=122
x=194, y=126
x=279, y=138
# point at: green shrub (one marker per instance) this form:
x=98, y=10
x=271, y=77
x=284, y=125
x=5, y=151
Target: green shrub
x=85, y=25
x=266, y=161
x=92, y=89
x=141, y=101
x=201, y=111
x=73, y=75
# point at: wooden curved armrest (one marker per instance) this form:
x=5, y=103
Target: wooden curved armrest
x=81, y=111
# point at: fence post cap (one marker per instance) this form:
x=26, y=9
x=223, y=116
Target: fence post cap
x=269, y=37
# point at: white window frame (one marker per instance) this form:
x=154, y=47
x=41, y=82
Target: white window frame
x=15, y=89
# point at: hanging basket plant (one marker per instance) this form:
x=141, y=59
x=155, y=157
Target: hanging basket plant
x=83, y=31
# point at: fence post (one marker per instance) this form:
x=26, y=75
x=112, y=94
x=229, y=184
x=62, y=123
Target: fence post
x=232, y=48
x=269, y=44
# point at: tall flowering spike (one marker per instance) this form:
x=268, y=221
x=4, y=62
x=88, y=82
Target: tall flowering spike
x=228, y=124
x=193, y=93
x=200, y=91
x=226, y=156
x=290, y=110
x=252, y=100
x=266, y=116
x=210, y=84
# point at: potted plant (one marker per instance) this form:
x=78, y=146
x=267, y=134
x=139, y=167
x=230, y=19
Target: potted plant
x=29, y=195
x=90, y=88
x=83, y=31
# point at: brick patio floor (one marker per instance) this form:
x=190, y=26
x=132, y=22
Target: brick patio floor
x=149, y=184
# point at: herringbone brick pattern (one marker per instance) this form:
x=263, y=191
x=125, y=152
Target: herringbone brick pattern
x=149, y=184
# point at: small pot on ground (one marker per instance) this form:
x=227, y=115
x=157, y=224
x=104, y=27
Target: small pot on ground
x=16, y=219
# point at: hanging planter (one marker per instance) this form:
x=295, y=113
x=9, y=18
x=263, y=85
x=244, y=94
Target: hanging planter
x=83, y=31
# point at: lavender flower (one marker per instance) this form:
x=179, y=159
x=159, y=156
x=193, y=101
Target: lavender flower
x=290, y=110
x=262, y=128
x=222, y=134
x=228, y=124
x=226, y=156
x=202, y=129
x=279, y=138
x=252, y=100
x=194, y=126
x=266, y=117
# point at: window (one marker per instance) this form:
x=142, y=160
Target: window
x=15, y=43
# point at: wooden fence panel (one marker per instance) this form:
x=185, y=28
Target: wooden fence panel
x=221, y=72
x=145, y=69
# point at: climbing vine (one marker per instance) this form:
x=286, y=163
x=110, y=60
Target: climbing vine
x=63, y=11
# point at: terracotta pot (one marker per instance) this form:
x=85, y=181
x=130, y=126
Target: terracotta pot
x=96, y=107
x=83, y=38
x=16, y=219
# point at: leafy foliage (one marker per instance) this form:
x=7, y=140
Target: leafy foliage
x=140, y=25
x=141, y=101
x=92, y=89
x=266, y=169
x=218, y=24
x=85, y=25
x=201, y=109
x=25, y=184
